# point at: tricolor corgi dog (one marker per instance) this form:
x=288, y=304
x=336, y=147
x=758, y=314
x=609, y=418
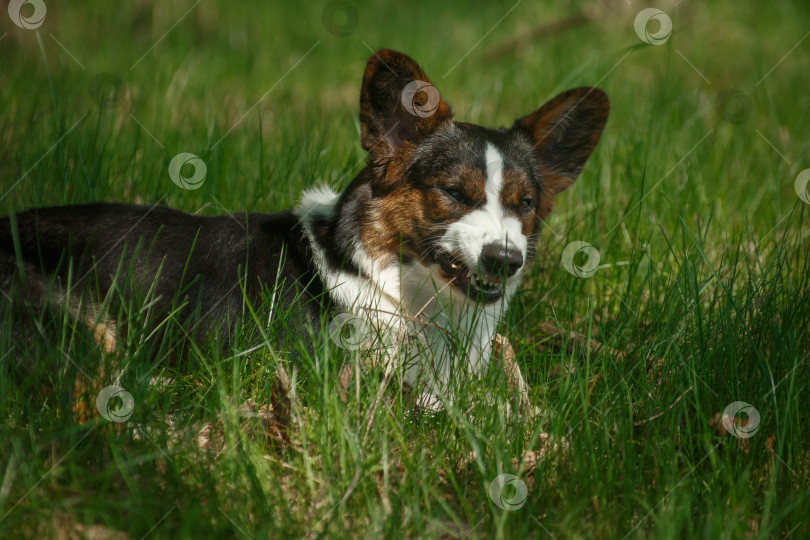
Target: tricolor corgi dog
x=430, y=239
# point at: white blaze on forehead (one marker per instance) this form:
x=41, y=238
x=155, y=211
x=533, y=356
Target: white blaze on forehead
x=494, y=177
x=510, y=227
x=488, y=224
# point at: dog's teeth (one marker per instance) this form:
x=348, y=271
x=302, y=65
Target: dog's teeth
x=487, y=282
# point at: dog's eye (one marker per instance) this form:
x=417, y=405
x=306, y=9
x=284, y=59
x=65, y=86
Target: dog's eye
x=526, y=204
x=454, y=194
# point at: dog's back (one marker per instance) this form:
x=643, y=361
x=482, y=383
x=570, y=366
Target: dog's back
x=201, y=270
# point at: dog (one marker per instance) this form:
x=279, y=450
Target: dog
x=430, y=239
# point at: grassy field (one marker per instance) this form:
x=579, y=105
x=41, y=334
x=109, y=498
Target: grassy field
x=701, y=296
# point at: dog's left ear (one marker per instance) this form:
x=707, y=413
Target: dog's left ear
x=398, y=105
x=564, y=132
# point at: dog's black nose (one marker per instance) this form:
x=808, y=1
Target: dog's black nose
x=498, y=261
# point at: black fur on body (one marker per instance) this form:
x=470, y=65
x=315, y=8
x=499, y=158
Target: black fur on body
x=200, y=269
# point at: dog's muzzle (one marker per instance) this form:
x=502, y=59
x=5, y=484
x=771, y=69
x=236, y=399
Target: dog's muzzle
x=484, y=284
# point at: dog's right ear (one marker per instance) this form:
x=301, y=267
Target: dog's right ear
x=398, y=105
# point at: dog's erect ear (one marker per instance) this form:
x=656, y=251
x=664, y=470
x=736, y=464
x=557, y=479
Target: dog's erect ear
x=397, y=104
x=564, y=132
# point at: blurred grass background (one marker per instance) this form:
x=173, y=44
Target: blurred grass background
x=702, y=298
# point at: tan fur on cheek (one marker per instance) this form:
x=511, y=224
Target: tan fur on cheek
x=516, y=187
x=544, y=207
x=528, y=224
x=393, y=223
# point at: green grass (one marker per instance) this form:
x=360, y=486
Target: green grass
x=703, y=298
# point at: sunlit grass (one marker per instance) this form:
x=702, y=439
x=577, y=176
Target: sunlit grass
x=701, y=298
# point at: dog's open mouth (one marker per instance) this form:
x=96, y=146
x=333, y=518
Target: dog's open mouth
x=476, y=286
